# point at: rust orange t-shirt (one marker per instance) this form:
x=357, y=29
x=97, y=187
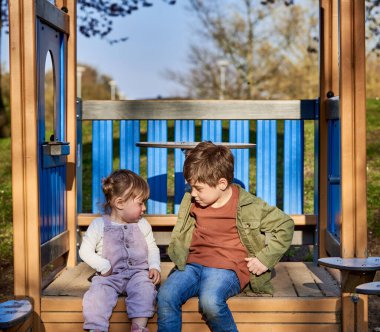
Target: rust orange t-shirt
x=216, y=242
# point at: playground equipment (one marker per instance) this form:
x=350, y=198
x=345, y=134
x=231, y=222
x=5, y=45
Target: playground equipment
x=46, y=173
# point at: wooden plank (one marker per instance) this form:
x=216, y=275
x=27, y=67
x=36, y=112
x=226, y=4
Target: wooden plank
x=84, y=219
x=54, y=248
x=73, y=282
x=324, y=280
x=18, y=146
x=198, y=109
x=122, y=327
x=240, y=303
x=194, y=317
x=360, y=160
x=55, y=17
x=282, y=284
x=302, y=279
x=24, y=150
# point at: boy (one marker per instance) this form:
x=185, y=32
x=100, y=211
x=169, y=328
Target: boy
x=225, y=240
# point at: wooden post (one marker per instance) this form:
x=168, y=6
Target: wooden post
x=353, y=148
x=329, y=81
x=71, y=130
x=27, y=277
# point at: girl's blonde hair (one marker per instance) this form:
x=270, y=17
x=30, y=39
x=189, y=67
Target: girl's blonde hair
x=125, y=184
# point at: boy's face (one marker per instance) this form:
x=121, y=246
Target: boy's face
x=204, y=195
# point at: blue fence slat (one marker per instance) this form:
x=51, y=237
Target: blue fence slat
x=266, y=159
x=239, y=133
x=129, y=152
x=157, y=167
x=293, y=166
x=102, y=156
x=212, y=130
x=334, y=177
x=184, y=131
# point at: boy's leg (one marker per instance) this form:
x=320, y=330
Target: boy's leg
x=176, y=290
x=216, y=286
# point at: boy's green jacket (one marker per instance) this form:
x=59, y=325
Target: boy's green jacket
x=264, y=230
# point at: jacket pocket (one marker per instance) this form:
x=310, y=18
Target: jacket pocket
x=252, y=233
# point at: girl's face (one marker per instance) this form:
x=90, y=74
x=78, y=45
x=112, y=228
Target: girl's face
x=129, y=211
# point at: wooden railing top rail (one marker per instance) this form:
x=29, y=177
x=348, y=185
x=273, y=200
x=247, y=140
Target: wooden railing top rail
x=199, y=109
x=157, y=220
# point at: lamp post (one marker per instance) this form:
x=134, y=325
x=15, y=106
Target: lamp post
x=80, y=71
x=113, y=89
x=222, y=64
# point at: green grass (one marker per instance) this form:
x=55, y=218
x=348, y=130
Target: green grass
x=6, y=241
x=373, y=165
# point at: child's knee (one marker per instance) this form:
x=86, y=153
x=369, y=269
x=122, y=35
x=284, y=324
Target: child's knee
x=211, y=305
x=166, y=295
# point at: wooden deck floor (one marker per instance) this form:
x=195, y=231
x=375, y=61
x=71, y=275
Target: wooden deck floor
x=305, y=297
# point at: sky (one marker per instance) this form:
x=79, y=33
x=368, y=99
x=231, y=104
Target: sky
x=158, y=39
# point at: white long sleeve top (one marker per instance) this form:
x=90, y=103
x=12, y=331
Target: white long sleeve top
x=92, y=245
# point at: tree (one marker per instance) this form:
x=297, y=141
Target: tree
x=95, y=19
x=265, y=45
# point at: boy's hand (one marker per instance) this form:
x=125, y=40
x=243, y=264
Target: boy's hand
x=155, y=275
x=255, y=266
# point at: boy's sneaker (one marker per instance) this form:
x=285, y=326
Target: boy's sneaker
x=137, y=328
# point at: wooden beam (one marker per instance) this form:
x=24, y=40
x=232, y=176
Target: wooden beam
x=22, y=22
x=353, y=149
x=198, y=109
x=84, y=219
x=353, y=129
x=325, y=86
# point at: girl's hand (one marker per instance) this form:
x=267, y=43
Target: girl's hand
x=255, y=266
x=108, y=273
x=155, y=275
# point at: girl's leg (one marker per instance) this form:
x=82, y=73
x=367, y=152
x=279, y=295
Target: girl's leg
x=176, y=290
x=141, y=296
x=216, y=286
x=98, y=303
x=139, y=324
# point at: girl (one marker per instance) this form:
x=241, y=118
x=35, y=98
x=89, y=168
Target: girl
x=121, y=248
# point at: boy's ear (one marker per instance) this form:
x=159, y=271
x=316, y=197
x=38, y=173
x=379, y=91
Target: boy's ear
x=223, y=184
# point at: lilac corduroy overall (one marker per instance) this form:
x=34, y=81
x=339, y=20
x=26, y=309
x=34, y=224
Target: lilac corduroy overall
x=126, y=249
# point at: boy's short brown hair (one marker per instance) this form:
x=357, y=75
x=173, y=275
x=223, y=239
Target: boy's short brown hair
x=208, y=163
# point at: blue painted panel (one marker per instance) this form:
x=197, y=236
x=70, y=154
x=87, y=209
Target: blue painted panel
x=129, y=152
x=239, y=133
x=102, y=157
x=212, y=130
x=334, y=177
x=266, y=160
x=157, y=166
x=52, y=180
x=293, y=166
x=184, y=131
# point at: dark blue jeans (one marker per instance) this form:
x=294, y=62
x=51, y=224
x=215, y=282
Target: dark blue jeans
x=212, y=286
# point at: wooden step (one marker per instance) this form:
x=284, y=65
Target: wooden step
x=306, y=297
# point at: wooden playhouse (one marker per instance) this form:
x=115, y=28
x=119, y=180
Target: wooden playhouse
x=47, y=173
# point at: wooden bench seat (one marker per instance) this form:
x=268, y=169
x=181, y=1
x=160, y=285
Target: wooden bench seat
x=305, y=297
